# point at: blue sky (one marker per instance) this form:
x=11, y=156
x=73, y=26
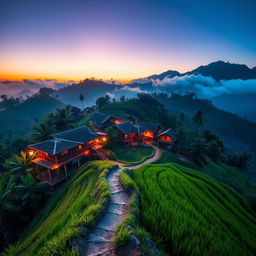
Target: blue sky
x=122, y=39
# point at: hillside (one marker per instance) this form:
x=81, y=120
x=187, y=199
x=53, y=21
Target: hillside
x=189, y=213
x=29, y=112
x=143, y=110
x=92, y=89
x=74, y=204
x=238, y=133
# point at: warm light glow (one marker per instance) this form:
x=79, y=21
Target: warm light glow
x=116, y=121
x=56, y=166
x=31, y=153
x=80, y=146
x=104, y=139
x=86, y=152
x=148, y=134
x=97, y=140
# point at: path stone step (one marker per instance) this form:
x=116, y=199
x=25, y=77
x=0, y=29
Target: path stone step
x=101, y=235
x=117, y=208
x=97, y=249
x=115, y=188
x=119, y=198
x=110, y=221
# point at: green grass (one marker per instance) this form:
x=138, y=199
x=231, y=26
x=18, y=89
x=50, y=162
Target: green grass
x=227, y=175
x=189, y=213
x=75, y=204
x=132, y=154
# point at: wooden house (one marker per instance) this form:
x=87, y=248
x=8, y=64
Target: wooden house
x=148, y=132
x=57, y=156
x=127, y=133
x=167, y=137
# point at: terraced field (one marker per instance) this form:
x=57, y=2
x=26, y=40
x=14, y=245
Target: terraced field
x=189, y=213
x=76, y=203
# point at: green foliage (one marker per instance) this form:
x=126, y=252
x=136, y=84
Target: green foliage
x=63, y=119
x=198, y=118
x=76, y=203
x=132, y=154
x=144, y=110
x=102, y=101
x=127, y=182
x=192, y=214
x=122, y=235
x=27, y=113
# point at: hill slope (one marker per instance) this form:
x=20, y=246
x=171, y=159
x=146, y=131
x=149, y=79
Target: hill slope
x=29, y=112
x=189, y=213
x=74, y=204
x=92, y=89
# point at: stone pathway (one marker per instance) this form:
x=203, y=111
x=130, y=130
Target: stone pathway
x=100, y=239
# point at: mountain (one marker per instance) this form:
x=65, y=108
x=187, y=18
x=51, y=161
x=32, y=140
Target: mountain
x=221, y=70
x=92, y=89
x=169, y=74
x=29, y=112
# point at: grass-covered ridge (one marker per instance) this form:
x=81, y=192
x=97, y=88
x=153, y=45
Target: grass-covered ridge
x=76, y=203
x=192, y=214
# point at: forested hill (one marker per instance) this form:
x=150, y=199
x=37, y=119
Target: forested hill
x=237, y=133
x=92, y=89
x=29, y=112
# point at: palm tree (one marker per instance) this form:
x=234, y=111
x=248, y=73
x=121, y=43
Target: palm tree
x=198, y=118
x=63, y=119
x=81, y=98
x=28, y=192
x=6, y=204
x=20, y=165
x=43, y=131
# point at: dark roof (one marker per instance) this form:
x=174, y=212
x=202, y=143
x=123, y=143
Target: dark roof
x=169, y=132
x=121, y=116
x=148, y=127
x=127, y=127
x=54, y=146
x=79, y=135
x=100, y=117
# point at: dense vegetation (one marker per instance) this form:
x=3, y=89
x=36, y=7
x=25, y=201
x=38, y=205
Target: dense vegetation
x=190, y=214
x=29, y=112
x=76, y=203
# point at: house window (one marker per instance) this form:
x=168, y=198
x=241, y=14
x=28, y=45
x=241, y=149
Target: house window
x=80, y=147
x=64, y=153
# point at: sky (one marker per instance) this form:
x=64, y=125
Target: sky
x=76, y=39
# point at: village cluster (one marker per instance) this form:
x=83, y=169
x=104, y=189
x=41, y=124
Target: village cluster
x=57, y=156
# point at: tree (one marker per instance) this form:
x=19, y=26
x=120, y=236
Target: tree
x=241, y=161
x=63, y=119
x=43, y=131
x=81, y=98
x=198, y=152
x=198, y=118
x=181, y=118
x=102, y=101
x=20, y=165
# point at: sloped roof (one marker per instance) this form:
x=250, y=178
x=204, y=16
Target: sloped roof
x=148, y=127
x=127, y=127
x=100, y=117
x=80, y=135
x=169, y=132
x=54, y=146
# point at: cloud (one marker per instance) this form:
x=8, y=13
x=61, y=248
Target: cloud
x=128, y=92
x=28, y=86
x=205, y=87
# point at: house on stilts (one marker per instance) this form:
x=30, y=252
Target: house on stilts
x=61, y=155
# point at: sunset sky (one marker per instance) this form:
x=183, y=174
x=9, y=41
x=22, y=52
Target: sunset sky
x=121, y=39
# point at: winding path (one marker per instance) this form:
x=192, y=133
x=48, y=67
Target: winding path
x=100, y=239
